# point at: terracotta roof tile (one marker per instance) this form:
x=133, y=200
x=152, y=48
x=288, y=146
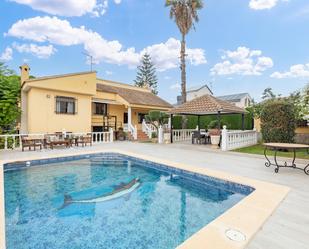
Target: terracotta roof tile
x=135, y=96
x=206, y=104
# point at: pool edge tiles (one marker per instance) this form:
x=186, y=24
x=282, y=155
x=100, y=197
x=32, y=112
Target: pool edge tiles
x=246, y=217
x=194, y=177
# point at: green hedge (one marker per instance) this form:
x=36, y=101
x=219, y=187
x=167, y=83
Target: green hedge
x=278, y=122
x=233, y=121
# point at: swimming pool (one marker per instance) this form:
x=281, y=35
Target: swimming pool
x=57, y=203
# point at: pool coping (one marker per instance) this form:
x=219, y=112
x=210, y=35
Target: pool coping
x=247, y=216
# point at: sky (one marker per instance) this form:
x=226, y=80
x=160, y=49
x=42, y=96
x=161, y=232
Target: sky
x=237, y=46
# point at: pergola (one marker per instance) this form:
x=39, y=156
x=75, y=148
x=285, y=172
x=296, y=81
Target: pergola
x=207, y=105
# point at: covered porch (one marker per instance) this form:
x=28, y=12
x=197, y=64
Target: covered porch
x=208, y=105
x=124, y=107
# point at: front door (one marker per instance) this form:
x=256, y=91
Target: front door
x=125, y=118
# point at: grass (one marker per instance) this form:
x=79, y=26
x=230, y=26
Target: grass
x=259, y=150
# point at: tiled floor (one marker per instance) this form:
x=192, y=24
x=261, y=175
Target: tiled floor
x=287, y=228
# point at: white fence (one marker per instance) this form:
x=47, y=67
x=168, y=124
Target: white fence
x=230, y=139
x=14, y=141
x=238, y=139
x=182, y=135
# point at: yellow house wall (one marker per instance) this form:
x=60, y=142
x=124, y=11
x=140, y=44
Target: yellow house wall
x=302, y=130
x=43, y=119
x=113, y=110
x=79, y=83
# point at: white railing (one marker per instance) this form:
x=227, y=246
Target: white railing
x=133, y=130
x=103, y=137
x=146, y=129
x=238, y=139
x=13, y=141
x=182, y=135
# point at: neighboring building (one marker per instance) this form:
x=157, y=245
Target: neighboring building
x=241, y=100
x=80, y=102
x=195, y=92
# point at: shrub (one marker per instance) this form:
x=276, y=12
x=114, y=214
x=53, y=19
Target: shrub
x=278, y=122
x=213, y=124
x=232, y=121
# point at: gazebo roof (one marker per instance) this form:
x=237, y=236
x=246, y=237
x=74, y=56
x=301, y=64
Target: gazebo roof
x=206, y=104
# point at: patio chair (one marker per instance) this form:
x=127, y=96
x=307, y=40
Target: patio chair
x=198, y=137
x=84, y=140
x=28, y=142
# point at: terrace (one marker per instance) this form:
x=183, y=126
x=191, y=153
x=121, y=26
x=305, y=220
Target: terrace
x=286, y=228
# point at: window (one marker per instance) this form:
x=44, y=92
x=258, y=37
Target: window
x=100, y=109
x=65, y=105
x=141, y=117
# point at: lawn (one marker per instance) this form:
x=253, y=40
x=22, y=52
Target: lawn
x=259, y=150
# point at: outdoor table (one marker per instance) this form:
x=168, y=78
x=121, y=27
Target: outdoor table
x=66, y=142
x=285, y=146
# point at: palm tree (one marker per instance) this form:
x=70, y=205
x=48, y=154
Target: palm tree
x=184, y=12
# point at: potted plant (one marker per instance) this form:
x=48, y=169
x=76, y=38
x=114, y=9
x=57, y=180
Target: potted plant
x=154, y=137
x=121, y=135
x=214, y=132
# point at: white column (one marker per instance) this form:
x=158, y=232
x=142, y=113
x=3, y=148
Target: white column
x=111, y=134
x=224, y=139
x=129, y=115
x=160, y=135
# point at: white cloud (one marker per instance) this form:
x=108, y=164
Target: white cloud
x=69, y=7
x=296, y=71
x=109, y=72
x=166, y=55
x=264, y=4
x=7, y=54
x=61, y=7
x=242, y=61
x=175, y=86
x=42, y=52
x=60, y=32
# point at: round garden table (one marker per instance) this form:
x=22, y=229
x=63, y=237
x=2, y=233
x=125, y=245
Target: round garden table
x=285, y=146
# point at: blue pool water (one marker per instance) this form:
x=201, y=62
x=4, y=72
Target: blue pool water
x=166, y=208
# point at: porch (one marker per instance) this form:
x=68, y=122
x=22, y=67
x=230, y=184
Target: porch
x=108, y=115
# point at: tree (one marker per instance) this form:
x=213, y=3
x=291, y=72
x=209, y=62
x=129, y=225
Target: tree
x=184, y=12
x=9, y=99
x=146, y=75
x=268, y=94
x=300, y=99
x=157, y=119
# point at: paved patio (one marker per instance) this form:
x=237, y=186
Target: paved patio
x=287, y=228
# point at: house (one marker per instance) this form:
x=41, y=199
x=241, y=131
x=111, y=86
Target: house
x=80, y=102
x=195, y=92
x=241, y=100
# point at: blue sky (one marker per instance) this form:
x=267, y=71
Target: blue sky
x=238, y=45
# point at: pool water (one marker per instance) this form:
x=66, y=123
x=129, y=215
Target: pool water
x=165, y=209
